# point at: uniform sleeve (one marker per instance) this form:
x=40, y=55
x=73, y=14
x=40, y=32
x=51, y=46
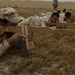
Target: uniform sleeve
x=3, y=47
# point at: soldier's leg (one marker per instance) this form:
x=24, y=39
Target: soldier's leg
x=54, y=6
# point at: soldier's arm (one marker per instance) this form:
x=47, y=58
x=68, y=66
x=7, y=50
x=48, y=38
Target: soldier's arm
x=9, y=42
x=4, y=46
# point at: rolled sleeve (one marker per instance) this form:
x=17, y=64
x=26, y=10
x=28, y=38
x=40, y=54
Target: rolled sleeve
x=3, y=47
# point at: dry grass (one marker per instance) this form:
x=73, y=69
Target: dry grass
x=54, y=54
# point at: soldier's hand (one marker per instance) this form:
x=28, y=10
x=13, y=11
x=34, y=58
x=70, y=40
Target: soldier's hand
x=15, y=39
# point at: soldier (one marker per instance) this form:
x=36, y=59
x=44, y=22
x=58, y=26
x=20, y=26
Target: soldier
x=55, y=4
x=8, y=16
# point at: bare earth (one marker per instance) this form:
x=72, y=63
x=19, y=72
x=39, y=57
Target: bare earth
x=36, y=4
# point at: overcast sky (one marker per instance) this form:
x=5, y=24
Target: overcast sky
x=58, y=0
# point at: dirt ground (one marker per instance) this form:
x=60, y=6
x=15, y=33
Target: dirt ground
x=54, y=54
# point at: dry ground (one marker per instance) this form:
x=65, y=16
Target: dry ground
x=54, y=53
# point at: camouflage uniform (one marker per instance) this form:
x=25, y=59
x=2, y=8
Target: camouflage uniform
x=55, y=4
